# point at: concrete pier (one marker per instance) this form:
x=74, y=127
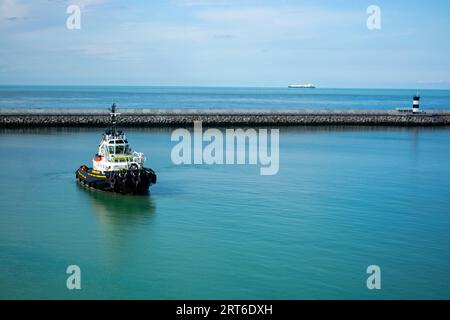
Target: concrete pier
x=218, y=117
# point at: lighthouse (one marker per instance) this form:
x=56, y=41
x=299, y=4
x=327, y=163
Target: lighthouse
x=416, y=101
x=415, y=106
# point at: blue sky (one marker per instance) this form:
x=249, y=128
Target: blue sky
x=226, y=43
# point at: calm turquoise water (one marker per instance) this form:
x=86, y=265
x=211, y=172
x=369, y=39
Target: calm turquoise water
x=204, y=97
x=343, y=200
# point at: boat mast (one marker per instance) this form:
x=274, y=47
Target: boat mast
x=113, y=119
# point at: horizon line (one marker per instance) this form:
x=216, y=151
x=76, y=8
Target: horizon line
x=217, y=86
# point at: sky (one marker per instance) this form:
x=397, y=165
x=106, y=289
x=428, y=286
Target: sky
x=226, y=43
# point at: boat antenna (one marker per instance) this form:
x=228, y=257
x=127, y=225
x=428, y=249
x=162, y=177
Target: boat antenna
x=113, y=119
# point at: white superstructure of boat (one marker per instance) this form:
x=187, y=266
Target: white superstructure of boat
x=302, y=86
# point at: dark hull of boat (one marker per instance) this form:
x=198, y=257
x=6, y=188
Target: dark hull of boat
x=124, y=181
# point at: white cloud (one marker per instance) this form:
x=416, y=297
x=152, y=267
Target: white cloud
x=252, y=25
x=13, y=9
x=109, y=51
x=138, y=41
x=288, y=17
x=194, y=3
x=86, y=3
x=433, y=82
x=224, y=31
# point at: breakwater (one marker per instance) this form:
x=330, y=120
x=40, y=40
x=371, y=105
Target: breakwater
x=218, y=117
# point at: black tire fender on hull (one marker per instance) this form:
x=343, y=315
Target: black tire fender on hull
x=132, y=181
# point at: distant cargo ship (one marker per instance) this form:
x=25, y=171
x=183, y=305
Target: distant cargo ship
x=302, y=86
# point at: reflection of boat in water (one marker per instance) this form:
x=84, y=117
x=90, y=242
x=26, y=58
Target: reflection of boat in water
x=118, y=220
x=115, y=167
x=114, y=206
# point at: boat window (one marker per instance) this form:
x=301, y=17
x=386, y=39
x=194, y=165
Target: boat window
x=120, y=149
x=111, y=150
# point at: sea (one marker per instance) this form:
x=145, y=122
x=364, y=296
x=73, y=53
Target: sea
x=100, y=97
x=344, y=199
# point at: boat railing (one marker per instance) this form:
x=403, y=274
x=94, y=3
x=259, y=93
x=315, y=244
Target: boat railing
x=138, y=157
x=119, y=158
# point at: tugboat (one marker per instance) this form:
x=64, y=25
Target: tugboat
x=116, y=168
